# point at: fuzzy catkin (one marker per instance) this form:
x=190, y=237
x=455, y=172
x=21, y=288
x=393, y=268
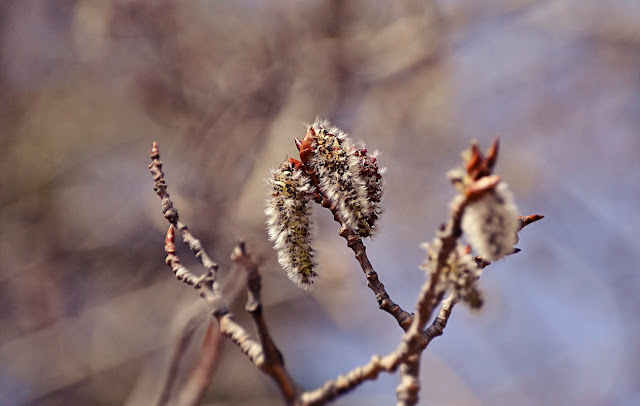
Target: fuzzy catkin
x=288, y=222
x=341, y=169
x=372, y=176
x=491, y=223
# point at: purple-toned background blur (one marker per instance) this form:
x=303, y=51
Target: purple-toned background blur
x=88, y=310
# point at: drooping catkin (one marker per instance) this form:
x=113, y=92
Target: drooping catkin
x=347, y=176
x=491, y=223
x=288, y=221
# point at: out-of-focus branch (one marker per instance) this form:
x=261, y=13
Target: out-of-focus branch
x=437, y=327
x=210, y=289
x=196, y=385
x=409, y=387
x=171, y=213
x=184, y=336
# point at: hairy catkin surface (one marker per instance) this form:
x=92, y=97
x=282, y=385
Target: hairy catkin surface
x=491, y=223
x=288, y=222
x=348, y=177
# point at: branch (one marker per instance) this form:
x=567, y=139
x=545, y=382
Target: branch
x=437, y=328
x=354, y=242
x=171, y=213
x=272, y=361
x=209, y=288
x=200, y=377
x=414, y=340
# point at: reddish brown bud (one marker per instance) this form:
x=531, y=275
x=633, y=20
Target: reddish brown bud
x=482, y=185
x=296, y=164
x=474, y=162
x=298, y=143
x=492, y=153
x=305, y=146
x=169, y=245
x=526, y=220
x=154, y=153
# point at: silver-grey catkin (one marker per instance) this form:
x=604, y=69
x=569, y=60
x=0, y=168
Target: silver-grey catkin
x=491, y=223
x=289, y=223
x=340, y=169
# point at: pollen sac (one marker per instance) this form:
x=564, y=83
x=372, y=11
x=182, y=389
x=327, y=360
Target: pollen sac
x=348, y=177
x=491, y=223
x=288, y=221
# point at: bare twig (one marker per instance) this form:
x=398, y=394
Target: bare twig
x=273, y=361
x=210, y=289
x=437, y=327
x=413, y=341
x=265, y=355
x=171, y=213
x=373, y=282
x=354, y=242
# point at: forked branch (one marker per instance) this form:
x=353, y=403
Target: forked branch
x=346, y=180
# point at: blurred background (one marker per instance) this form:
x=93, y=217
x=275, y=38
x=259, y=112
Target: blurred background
x=89, y=311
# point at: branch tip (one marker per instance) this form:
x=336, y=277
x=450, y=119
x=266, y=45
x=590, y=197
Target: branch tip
x=154, y=152
x=492, y=153
x=526, y=220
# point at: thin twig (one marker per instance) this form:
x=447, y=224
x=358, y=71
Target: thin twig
x=354, y=242
x=273, y=361
x=437, y=327
x=266, y=356
x=413, y=341
x=210, y=290
x=373, y=281
x=171, y=213
x=228, y=326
